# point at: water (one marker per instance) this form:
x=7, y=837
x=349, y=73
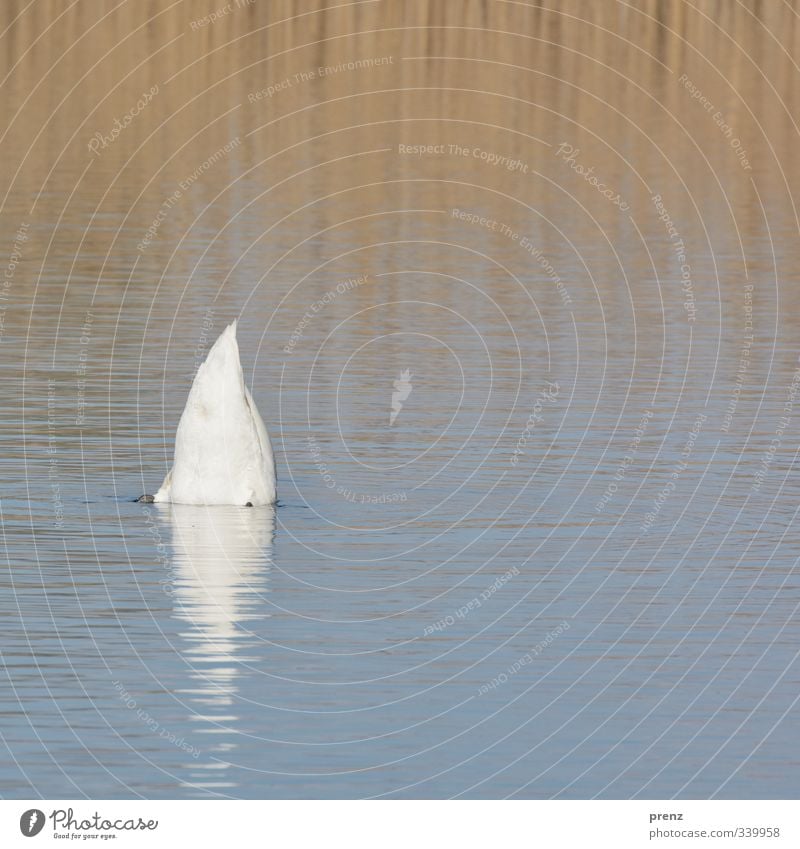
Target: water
x=567, y=568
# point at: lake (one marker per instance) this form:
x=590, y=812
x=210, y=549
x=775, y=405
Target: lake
x=517, y=297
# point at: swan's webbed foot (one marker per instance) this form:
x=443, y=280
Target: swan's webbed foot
x=145, y=499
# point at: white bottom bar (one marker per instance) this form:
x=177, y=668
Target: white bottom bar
x=403, y=824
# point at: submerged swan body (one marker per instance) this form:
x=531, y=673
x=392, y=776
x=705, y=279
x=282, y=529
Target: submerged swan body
x=222, y=450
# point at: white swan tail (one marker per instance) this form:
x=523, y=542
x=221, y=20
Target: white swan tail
x=223, y=453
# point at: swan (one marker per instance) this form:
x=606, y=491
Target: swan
x=222, y=450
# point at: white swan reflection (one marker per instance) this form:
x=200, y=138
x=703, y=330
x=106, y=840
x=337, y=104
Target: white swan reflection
x=221, y=559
